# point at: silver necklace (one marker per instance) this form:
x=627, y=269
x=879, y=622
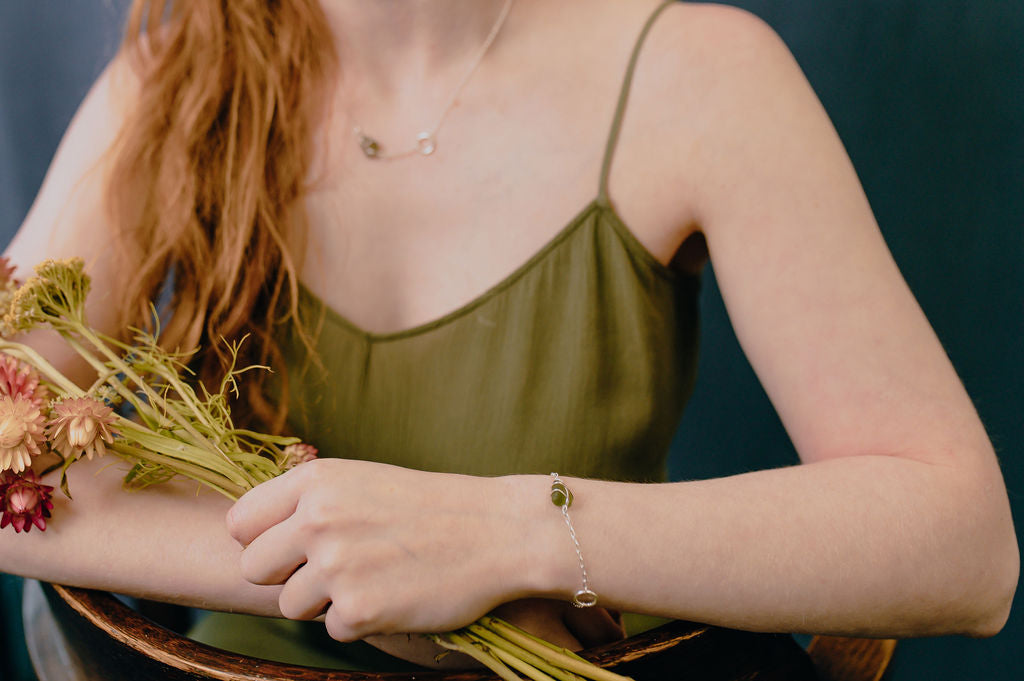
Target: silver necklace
x=426, y=141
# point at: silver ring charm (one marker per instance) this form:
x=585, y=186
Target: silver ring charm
x=584, y=598
x=425, y=143
x=561, y=496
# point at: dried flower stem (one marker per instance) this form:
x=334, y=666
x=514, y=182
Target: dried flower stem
x=561, y=657
x=479, y=653
x=188, y=460
x=184, y=432
x=497, y=642
x=521, y=666
x=194, y=472
x=152, y=396
x=180, y=433
x=28, y=355
x=225, y=473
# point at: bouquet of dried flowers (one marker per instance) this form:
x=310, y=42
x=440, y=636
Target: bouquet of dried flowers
x=177, y=427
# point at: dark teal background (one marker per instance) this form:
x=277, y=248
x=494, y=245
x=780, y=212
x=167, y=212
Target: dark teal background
x=928, y=97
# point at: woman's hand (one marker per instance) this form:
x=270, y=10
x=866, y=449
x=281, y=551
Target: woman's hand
x=554, y=621
x=563, y=624
x=383, y=549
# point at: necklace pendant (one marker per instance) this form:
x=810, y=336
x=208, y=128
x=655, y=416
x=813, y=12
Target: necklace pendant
x=426, y=143
x=370, y=146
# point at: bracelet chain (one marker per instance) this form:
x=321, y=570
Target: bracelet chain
x=562, y=497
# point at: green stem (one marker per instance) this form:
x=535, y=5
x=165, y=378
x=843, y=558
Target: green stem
x=152, y=395
x=197, y=473
x=186, y=394
x=185, y=452
x=492, y=622
x=521, y=653
x=101, y=379
x=517, y=664
x=562, y=657
x=27, y=354
x=100, y=368
x=457, y=643
x=202, y=445
x=281, y=440
x=172, y=449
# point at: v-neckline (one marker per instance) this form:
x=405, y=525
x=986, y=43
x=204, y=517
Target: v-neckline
x=598, y=204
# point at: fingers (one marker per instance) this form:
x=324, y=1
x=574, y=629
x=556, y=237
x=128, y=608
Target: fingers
x=265, y=506
x=346, y=622
x=303, y=596
x=273, y=556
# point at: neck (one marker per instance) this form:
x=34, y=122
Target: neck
x=386, y=46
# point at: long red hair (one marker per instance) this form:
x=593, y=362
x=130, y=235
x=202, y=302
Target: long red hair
x=209, y=171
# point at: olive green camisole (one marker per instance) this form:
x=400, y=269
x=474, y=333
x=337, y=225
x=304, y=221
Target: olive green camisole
x=580, y=361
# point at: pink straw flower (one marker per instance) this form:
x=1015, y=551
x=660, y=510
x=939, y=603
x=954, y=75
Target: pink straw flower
x=21, y=432
x=80, y=425
x=25, y=501
x=299, y=453
x=18, y=378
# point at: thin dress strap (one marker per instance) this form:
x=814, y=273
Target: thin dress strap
x=620, y=109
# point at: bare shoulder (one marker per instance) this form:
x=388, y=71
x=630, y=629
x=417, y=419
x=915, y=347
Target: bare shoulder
x=712, y=39
x=715, y=91
x=705, y=67
x=705, y=76
x=69, y=215
x=68, y=207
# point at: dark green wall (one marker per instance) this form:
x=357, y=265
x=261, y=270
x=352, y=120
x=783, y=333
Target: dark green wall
x=928, y=96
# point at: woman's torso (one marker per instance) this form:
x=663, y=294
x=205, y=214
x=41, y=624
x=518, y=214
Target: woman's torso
x=488, y=311
x=393, y=245
x=580, y=361
x=485, y=310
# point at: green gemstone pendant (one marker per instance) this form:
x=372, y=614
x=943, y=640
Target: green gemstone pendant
x=370, y=146
x=560, y=494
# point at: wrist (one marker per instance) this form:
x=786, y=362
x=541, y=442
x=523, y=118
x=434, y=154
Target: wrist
x=543, y=555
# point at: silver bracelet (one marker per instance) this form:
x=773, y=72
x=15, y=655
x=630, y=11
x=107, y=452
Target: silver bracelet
x=562, y=497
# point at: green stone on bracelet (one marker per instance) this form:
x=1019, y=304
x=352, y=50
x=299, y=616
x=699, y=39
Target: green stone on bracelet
x=560, y=494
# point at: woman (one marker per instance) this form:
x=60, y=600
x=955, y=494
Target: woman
x=575, y=359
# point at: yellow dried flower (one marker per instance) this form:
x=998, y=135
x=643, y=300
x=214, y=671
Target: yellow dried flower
x=108, y=395
x=56, y=292
x=21, y=432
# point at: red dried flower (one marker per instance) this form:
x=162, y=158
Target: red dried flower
x=25, y=501
x=18, y=378
x=80, y=426
x=21, y=432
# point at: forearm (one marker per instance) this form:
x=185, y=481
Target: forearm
x=868, y=545
x=166, y=543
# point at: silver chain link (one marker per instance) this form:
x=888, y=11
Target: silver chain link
x=585, y=597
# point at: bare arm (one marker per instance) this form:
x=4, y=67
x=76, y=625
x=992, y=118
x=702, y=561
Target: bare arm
x=168, y=543
x=897, y=524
